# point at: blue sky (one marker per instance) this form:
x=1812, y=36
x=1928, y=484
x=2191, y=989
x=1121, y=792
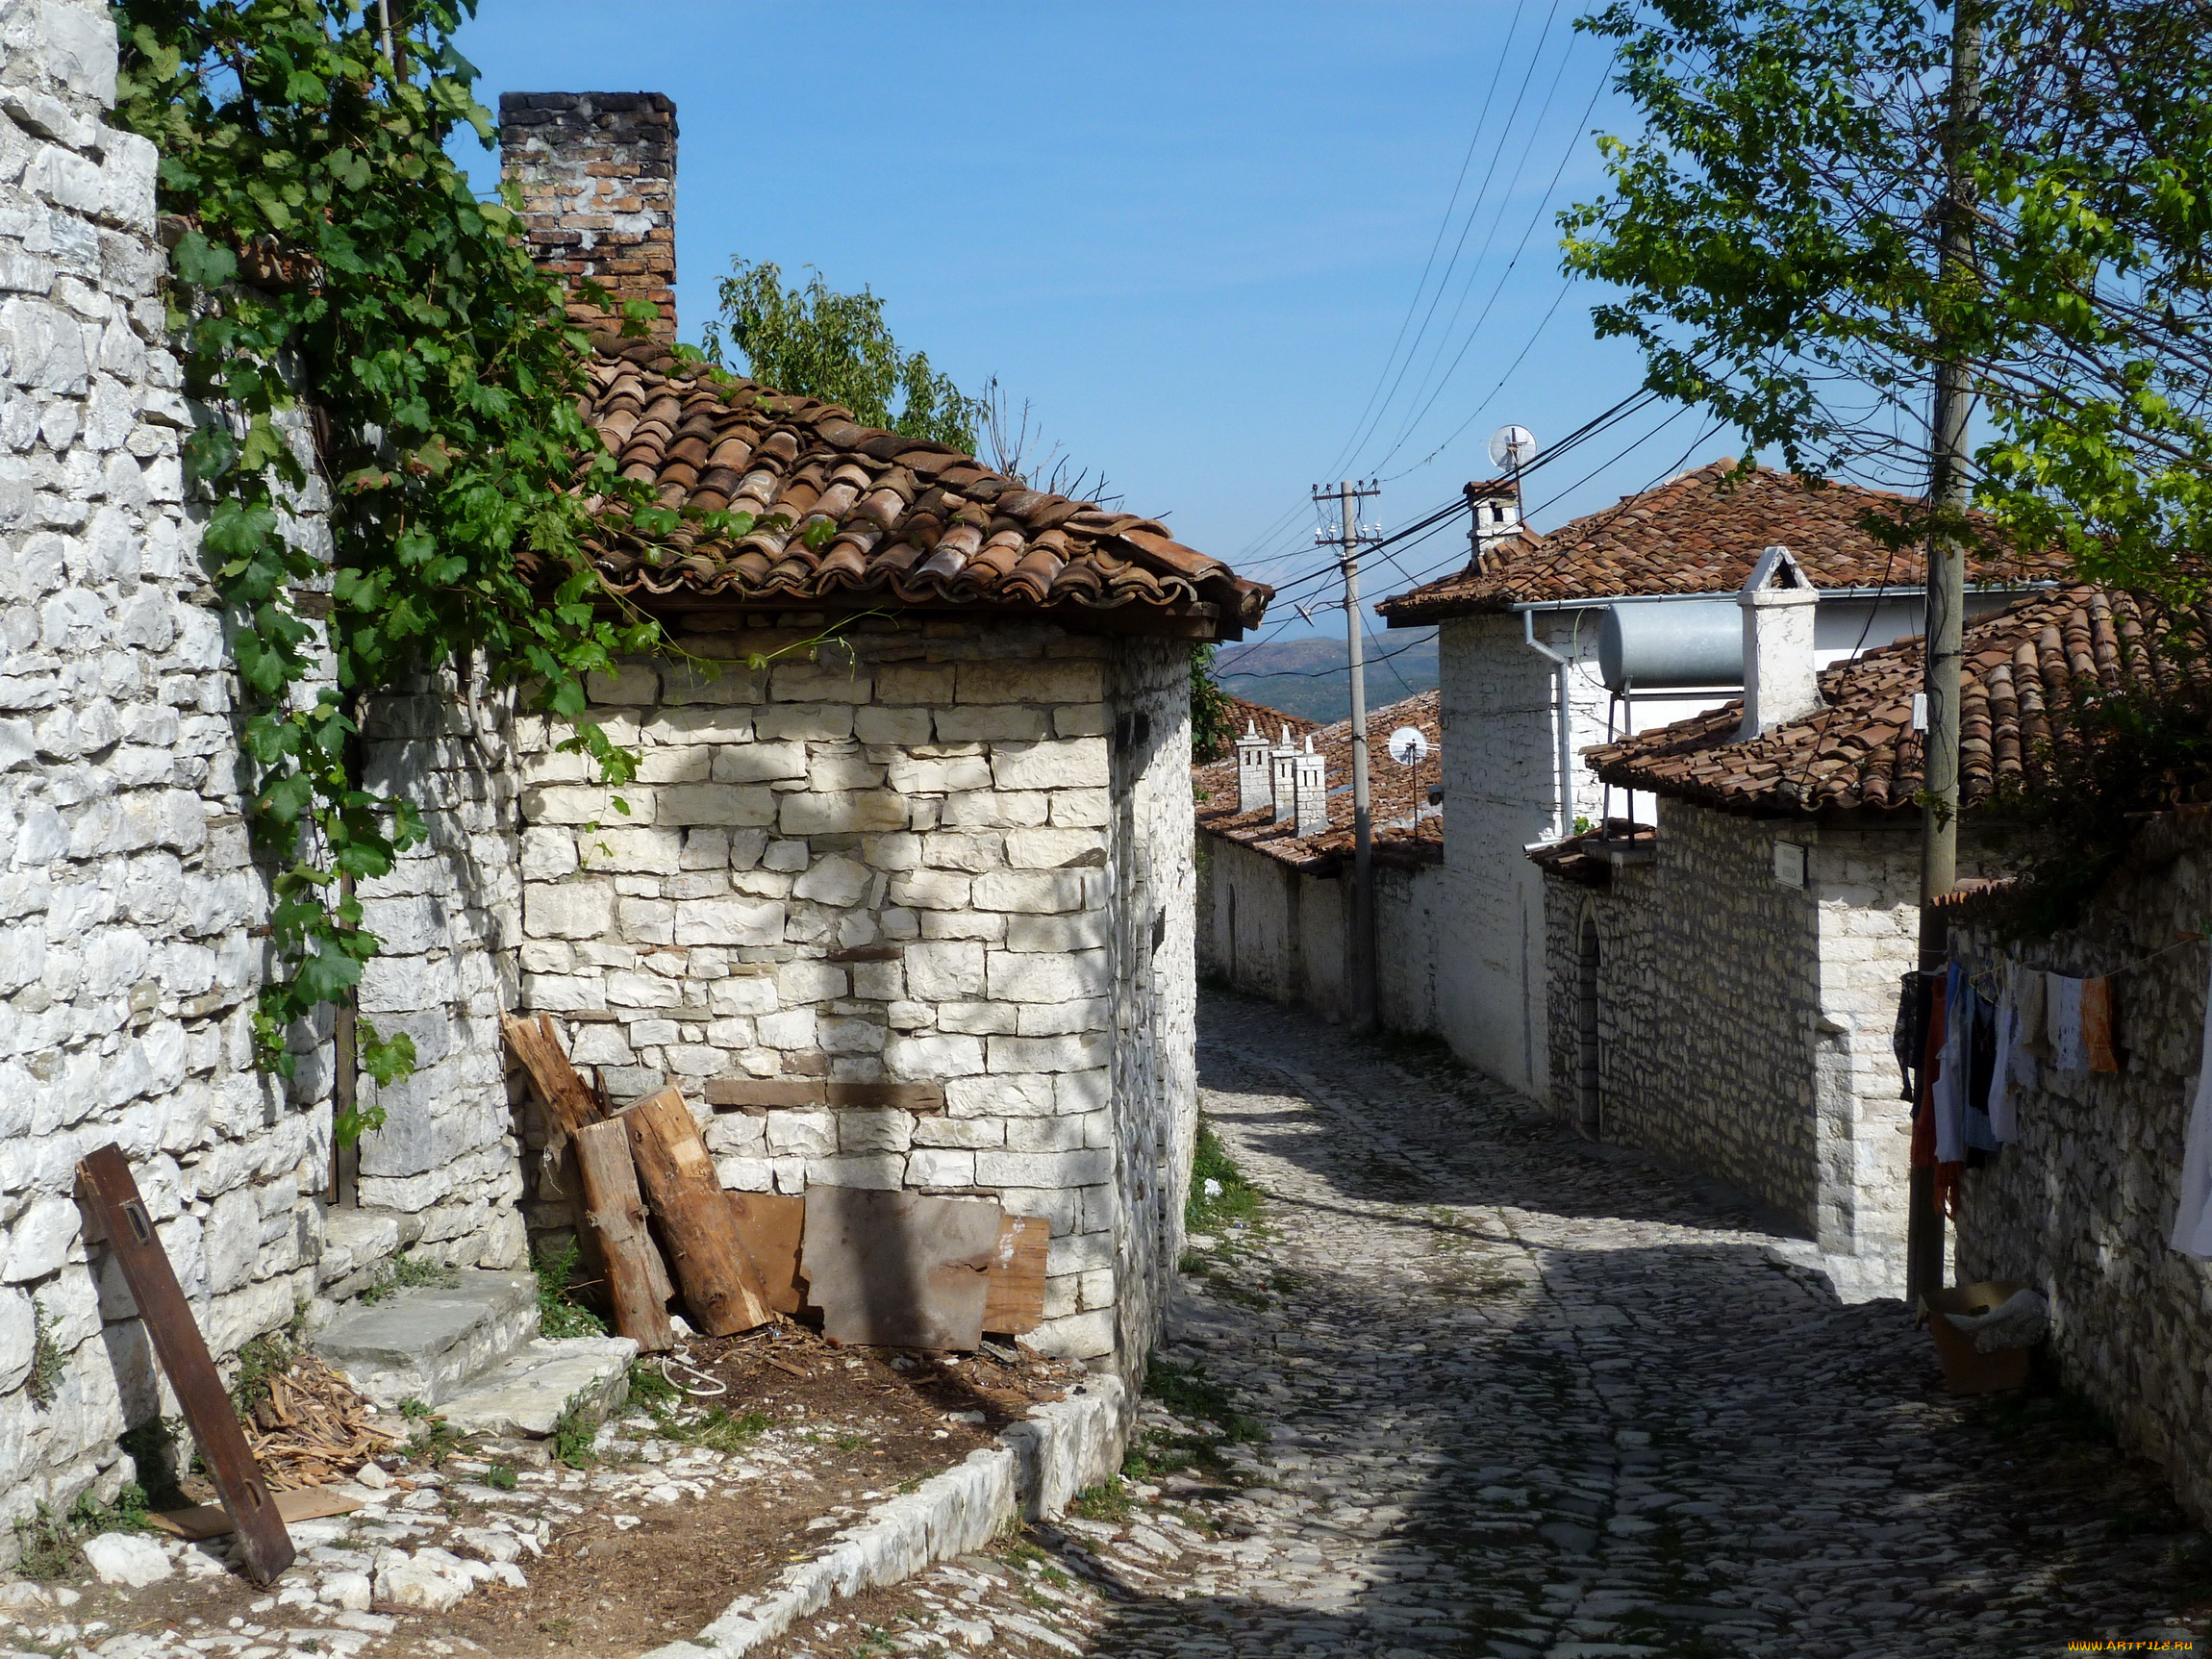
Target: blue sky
x=1188, y=234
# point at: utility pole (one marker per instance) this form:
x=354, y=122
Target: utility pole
x=1948, y=492
x=1349, y=496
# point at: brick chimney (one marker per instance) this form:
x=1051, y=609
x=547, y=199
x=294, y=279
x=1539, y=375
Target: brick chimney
x=1781, y=676
x=597, y=172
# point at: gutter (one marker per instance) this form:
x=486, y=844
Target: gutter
x=1563, y=819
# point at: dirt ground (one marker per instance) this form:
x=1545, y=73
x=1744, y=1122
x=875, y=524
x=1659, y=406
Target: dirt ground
x=682, y=1504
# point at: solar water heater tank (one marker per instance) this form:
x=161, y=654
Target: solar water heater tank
x=1652, y=647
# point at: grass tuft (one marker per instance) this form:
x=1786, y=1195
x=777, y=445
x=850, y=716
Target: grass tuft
x=1238, y=1199
x=575, y=1435
x=559, y=1313
x=46, y=1358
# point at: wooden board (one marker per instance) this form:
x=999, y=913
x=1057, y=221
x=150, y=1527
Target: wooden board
x=762, y=1093
x=712, y=1267
x=1013, y=1295
x=771, y=1225
x=615, y=1216
x=898, y=1269
x=104, y=1181
x=213, y=1520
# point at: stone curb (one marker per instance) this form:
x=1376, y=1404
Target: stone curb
x=1036, y=1466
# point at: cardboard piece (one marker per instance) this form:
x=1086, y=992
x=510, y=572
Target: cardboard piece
x=898, y=1269
x=771, y=1225
x=1013, y=1295
x=1966, y=1369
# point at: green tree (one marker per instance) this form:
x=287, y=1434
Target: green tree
x=1772, y=236
x=1212, y=730
x=816, y=342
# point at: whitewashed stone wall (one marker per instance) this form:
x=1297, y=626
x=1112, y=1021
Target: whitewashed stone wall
x=128, y=964
x=2082, y=1205
x=1274, y=931
x=921, y=875
x=1743, y=1024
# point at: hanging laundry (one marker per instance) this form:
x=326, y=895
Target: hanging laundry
x=2098, y=1025
x=2062, y=1015
x=2006, y=1086
x=1977, y=1132
x=2193, y=1220
x=2033, y=1046
x=1948, y=1095
x=1908, y=1038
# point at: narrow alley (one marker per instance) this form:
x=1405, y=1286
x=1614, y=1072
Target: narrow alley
x=1491, y=1392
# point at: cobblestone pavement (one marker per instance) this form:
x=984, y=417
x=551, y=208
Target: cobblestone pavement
x=1517, y=1397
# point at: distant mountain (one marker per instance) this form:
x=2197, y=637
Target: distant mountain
x=1310, y=677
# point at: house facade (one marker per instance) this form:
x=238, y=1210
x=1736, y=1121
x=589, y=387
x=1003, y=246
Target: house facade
x=911, y=906
x=1274, y=880
x=1724, y=983
x=1525, y=633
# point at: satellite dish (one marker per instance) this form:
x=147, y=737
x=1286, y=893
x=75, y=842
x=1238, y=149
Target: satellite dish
x=1512, y=448
x=1408, y=747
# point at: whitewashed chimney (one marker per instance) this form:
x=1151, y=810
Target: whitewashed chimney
x=1781, y=679
x=1497, y=518
x=1282, y=779
x=1254, y=791
x=1309, y=783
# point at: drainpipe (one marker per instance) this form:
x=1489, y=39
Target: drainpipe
x=1564, y=783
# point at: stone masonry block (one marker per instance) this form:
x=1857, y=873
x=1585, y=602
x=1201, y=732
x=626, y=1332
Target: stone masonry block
x=1079, y=1052
x=941, y=1167
x=990, y=722
x=1058, y=1169
x=925, y=1058
x=729, y=805
x=945, y=970
x=807, y=813
x=1029, y=893
x=759, y=763
x=997, y=1098
x=1055, y=849
x=1032, y=682
x=569, y=909
x=1030, y=977
x=1068, y=763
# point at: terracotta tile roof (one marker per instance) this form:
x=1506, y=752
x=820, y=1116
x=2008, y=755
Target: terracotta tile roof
x=2021, y=672
x=1693, y=536
x=1406, y=829
x=1268, y=720
x=917, y=525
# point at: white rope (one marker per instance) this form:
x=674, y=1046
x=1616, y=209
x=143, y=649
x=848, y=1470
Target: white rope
x=714, y=1385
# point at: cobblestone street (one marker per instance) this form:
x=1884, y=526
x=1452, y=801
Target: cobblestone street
x=1516, y=1397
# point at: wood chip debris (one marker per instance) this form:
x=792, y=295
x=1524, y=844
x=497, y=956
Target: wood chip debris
x=311, y=1429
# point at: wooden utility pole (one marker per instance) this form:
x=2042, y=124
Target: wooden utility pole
x=1349, y=496
x=1948, y=492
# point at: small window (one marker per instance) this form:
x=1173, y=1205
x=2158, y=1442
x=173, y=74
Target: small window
x=1789, y=863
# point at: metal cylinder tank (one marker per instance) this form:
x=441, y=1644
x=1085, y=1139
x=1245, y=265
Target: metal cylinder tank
x=1654, y=645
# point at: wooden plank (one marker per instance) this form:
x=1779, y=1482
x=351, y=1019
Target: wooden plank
x=900, y=1269
x=709, y=1257
x=566, y=1097
x=615, y=1215
x=105, y=1179
x=772, y=1225
x=759, y=1093
x=213, y=1520
x=866, y=953
x=907, y=1096
x=1014, y=1298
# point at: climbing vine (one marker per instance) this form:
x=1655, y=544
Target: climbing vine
x=342, y=304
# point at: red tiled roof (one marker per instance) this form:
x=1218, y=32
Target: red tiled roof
x=2021, y=673
x=1699, y=534
x=916, y=525
x=1405, y=827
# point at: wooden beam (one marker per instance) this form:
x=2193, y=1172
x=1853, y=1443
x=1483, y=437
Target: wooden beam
x=712, y=1267
x=615, y=1214
x=568, y=1097
x=108, y=1188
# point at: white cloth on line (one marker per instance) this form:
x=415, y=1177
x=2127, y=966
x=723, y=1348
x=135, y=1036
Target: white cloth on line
x=2063, y=1023
x=2192, y=1220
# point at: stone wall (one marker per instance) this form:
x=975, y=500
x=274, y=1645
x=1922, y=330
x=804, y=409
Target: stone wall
x=875, y=915
x=2082, y=1204
x=1276, y=931
x=128, y=902
x=1743, y=1024
x=445, y=1167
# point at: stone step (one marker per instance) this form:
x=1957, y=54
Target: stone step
x=424, y=1342
x=526, y=1393
x=357, y=1244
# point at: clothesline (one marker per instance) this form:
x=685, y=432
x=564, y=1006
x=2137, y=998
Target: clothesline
x=1984, y=977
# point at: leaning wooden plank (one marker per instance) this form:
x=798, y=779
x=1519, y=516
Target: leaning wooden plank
x=771, y=1224
x=898, y=1269
x=688, y=1201
x=105, y=1179
x=1013, y=1295
x=567, y=1095
x=213, y=1520
x=615, y=1216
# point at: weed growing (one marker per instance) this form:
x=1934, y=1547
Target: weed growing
x=46, y=1358
x=407, y=1270
x=1221, y=1198
x=559, y=1313
x=51, y=1544
x=1108, y=1502
x=269, y=1355
x=575, y=1435
x=500, y=1477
